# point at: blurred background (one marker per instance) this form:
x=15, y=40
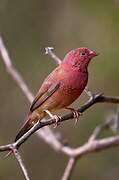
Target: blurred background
x=27, y=28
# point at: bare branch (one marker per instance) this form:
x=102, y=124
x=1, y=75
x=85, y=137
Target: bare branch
x=7, y=147
x=21, y=164
x=96, y=146
x=98, y=130
x=98, y=98
x=13, y=72
x=69, y=169
x=12, y=148
x=89, y=147
x=92, y=145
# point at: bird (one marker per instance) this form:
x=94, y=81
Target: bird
x=60, y=88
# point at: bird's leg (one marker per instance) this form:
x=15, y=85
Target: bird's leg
x=57, y=118
x=76, y=113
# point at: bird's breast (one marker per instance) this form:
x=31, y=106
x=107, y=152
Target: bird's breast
x=72, y=87
x=74, y=82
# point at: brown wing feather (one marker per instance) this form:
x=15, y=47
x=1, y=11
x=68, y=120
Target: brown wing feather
x=49, y=86
x=42, y=96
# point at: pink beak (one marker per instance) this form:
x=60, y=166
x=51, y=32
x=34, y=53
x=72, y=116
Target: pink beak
x=93, y=54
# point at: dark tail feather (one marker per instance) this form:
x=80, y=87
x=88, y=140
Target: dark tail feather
x=30, y=120
x=25, y=128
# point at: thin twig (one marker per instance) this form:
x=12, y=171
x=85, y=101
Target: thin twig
x=69, y=169
x=13, y=72
x=12, y=148
x=88, y=147
x=99, y=129
x=92, y=145
x=21, y=164
x=5, y=147
x=49, y=51
x=96, y=146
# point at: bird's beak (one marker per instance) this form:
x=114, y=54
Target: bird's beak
x=93, y=54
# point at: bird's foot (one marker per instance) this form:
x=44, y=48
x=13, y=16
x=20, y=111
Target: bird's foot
x=57, y=118
x=76, y=114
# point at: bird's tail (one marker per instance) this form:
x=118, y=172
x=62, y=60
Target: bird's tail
x=31, y=120
x=25, y=128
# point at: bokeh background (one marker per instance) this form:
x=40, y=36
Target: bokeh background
x=27, y=27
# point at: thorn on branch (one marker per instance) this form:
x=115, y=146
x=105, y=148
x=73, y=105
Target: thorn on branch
x=89, y=92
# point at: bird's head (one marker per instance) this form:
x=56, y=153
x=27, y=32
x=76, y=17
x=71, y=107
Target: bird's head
x=79, y=57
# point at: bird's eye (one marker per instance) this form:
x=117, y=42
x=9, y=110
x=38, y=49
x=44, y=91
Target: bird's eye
x=83, y=54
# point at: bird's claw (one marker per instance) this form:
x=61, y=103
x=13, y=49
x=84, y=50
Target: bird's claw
x=76, y=114
x=57, y=118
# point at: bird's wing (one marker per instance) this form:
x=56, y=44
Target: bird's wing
x=44, y=93
x=49, y=86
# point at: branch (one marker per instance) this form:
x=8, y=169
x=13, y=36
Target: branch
x=13, y=148
x=13, y=72
x=21, y=164
x=92, y=145
x=97, y=99
x=88, y=92
x=49, y=51
x=69, y=169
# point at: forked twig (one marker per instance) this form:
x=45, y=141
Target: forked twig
x=92, y=145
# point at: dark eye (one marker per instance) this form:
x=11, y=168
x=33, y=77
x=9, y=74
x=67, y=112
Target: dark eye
x=83, y=54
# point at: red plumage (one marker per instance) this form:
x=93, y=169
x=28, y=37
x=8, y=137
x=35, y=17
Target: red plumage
x=63, y=86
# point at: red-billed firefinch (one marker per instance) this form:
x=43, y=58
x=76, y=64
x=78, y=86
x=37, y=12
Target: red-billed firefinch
x=63, y=86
